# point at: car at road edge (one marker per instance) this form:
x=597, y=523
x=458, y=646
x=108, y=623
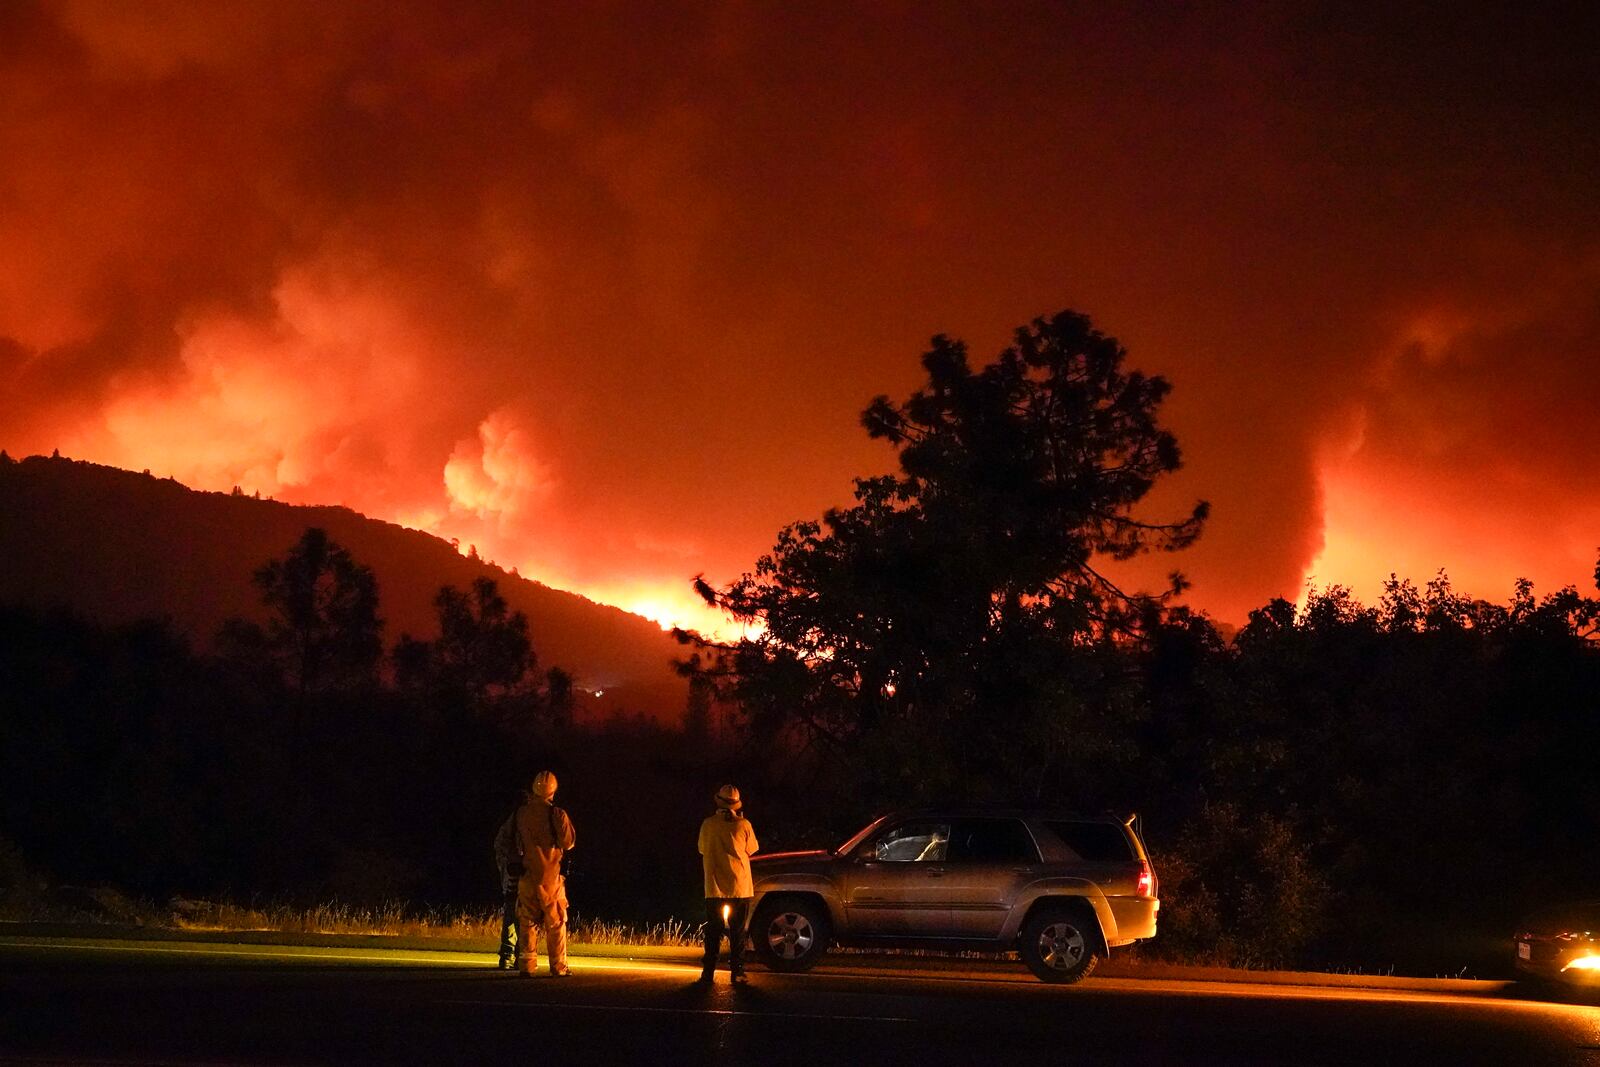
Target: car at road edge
x=1060, y=889
x=1561, y=944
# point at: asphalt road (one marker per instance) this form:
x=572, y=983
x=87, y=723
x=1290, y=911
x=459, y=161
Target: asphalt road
x=133, y=1003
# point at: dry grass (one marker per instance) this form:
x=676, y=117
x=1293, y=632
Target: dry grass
x=331, y=918
x=673, y=933
x=397, y=920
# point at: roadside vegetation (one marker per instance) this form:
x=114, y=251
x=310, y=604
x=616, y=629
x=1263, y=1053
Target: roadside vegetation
x=400, y=920
x=25, y=897
x=1332, y=785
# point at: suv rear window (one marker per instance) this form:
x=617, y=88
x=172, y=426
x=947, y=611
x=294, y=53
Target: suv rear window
x=992, y=841
x=1094, y=841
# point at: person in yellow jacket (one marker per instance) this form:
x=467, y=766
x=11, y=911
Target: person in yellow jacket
x=545, y=834
x=727, y=842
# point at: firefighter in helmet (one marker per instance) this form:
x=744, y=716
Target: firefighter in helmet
x=545, y=834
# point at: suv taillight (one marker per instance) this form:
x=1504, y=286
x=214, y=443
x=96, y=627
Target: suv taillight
x=1146, y=880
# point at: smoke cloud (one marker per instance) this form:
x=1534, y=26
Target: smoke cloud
x=600, y=290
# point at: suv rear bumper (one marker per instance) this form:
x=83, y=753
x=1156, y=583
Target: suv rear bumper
x=1135, y=918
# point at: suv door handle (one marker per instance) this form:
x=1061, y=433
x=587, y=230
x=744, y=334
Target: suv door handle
x=935, y=872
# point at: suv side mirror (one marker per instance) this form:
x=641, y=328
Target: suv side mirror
x=865, y=852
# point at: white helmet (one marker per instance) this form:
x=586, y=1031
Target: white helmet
x=544, y=785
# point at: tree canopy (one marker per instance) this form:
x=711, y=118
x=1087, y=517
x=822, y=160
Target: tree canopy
x=969, y=588
x=324, y=628
x=483, y=648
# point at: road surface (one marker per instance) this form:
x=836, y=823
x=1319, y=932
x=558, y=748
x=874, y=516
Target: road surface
x=135, y=1003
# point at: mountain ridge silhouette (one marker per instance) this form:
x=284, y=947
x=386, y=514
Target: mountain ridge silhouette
x=117, y=546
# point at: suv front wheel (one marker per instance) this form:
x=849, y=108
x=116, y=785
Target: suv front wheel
x=791, y=933
x=1058, y=945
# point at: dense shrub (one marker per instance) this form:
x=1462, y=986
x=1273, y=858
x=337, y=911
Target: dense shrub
x=1240, y=890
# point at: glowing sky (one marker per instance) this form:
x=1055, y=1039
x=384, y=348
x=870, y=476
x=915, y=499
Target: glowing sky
x=602, y=289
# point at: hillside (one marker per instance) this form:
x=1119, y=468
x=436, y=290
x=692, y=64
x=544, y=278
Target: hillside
x=118, y=546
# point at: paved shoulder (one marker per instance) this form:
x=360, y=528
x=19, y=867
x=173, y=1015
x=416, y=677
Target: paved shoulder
x=119, y=1001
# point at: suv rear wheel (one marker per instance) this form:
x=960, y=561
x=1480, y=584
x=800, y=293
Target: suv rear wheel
x=1058, y=945
x=791, y=933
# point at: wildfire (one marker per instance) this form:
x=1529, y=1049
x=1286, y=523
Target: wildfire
x=1378, y=522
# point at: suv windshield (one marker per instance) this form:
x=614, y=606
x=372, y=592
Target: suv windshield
x=923, y=841
x=853, y=842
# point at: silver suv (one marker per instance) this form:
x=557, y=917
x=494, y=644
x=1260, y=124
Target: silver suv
x=1062, y=890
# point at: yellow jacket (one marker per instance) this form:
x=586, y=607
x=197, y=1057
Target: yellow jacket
x=726, y=844
x=545, y=833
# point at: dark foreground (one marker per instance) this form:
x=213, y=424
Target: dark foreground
x=175, y=1004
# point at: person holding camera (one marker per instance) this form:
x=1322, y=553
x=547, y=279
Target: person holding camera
x=508, y=860
x=727, y=842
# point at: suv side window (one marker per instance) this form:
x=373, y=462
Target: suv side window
x=923, y=841
x=992, y=841
x=1094, y=841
